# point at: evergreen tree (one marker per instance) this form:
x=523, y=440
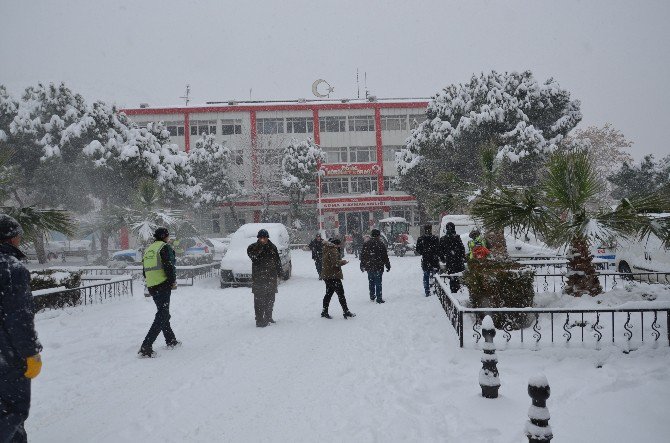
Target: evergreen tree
x=300, y=163
x=635, y=180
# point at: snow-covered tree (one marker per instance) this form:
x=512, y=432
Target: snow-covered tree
x=210, y=162
x=514, y=111
x=634, y=180
x=8, y=111
x=300, y=167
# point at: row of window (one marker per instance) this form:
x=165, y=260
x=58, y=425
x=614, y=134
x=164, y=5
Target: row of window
x=296, y=125
x=349, y=185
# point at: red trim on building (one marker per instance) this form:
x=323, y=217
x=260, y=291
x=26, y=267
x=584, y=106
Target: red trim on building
x=380, y=150
x=379, y=198
x=187, y=132
x=317, y=130
x=270, y=107
x=254, y=149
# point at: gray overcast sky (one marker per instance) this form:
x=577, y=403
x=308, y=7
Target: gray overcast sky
x=612, y=55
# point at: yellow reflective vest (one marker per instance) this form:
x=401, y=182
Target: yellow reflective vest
x=153, y=265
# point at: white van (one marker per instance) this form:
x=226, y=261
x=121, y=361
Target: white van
x=646, y=255
x=236, y=264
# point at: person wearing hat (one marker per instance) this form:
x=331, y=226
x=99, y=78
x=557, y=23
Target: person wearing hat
x=158, y=268
x=374, y=257
x=316, y=246
x=428, y=247
x=265, y=271
x=332, y=276
x=452, y=253
x=20, y=360
x=477, y=245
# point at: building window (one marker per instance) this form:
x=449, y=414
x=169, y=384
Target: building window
x=176, y=129
x=230, y=127
x=299, y=125
x=238, y=157
x=336, y=155
x=270, y=125
x=333, y=124
x=269, y=156
x=203, y=127
x=363, y=185
x=241, y=183
x=389, y=184
x=362, y=123
x=362, y=154
x=142, y=124
x=415, y=120
x=390, y=152
x=337, y=185
x=394, y=122
x=405, y=213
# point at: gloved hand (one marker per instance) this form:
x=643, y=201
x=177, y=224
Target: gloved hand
x=34, y=366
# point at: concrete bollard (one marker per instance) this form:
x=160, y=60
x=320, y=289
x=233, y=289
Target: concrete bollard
x=537, y=428
x=488, y=375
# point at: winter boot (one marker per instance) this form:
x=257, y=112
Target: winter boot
x=174, y=344
x=380, y=301
x=271, y=320
x=146, y=352
x=324, y=314
x=372, y=297
x=348, y=314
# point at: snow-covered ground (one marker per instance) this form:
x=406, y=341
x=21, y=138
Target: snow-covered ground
x=393, y=373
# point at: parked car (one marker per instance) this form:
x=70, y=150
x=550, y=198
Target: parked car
x=127, y=255
x=236, y=264
x=646, y=255
x=219, y=246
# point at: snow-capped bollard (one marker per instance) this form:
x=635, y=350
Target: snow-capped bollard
x=488, y=375
x=538, y=429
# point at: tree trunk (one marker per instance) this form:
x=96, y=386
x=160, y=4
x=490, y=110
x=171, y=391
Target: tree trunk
x=582, y=278
x=40, y=251
x=104, y=244
x=497, y=243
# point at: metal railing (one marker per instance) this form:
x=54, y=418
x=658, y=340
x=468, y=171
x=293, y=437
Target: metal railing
x=609, y=280
x=59, y=298
x=625, y=325
x=183, y=272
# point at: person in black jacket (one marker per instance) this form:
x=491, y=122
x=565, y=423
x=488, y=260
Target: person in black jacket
x=316, y=246
x=452, y=253
x=428, y=247
x=19, y=347
x=160, y=275
x=374, y=257
x=357, y=243
x=265, y=271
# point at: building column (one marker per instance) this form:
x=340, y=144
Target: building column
x=380, y=151
x=317, y=141
x=254, y=149
x=187, y=132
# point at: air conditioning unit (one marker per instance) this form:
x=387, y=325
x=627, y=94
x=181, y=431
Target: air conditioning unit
x=144, y=105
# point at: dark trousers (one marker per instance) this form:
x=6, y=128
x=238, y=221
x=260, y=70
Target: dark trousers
x=334, y=285
x=161, y=320
x=454, y=284
x=427, y=280
x=375, y=284
x=14, y=408
x=319, y=265
x=264, y=302
x=357, y=250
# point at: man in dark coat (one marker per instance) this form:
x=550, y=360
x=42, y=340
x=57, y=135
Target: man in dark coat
x=452, y=253
x=160, y=276
x=428, y=247
x=265, y=271
x=357, y=243
x=316, y=246
x=19, y=348
x=374, y=257
x=332, y=276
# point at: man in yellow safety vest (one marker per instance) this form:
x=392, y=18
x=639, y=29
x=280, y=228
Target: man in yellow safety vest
x=161, y=278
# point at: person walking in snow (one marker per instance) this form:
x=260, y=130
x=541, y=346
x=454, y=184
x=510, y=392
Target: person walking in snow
x=160, y=273
x=265, y=271
x=374, y=257
x=316, y=246
x=452, y=253
x=428, y=247
x=357, y=243
x=332, y=276
x=20, y=360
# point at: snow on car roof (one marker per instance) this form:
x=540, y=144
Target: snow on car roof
x=250, y=230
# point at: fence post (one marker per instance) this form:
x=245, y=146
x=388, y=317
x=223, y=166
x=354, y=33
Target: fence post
x=488, y=374
x=460, y=326
x=667, y=325
x=537, y=428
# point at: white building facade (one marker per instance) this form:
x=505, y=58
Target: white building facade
x=360, y=137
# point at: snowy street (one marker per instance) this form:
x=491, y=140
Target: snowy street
x=393, y=373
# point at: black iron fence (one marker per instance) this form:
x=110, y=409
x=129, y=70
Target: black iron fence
x=628, y=326
x=90, y=293
x=183, y=272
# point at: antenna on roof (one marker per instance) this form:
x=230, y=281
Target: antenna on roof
x=358, y=86
x=187, y=96
x=365, y=83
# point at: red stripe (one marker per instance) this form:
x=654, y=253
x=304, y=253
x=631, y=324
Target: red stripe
x=381, y=198
x=187, y=132
x=254, y=151
x=380, y=151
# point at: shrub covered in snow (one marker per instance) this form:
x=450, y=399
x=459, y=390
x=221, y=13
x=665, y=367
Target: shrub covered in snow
x=500, y=284
x=193, y=260
x=55, y=278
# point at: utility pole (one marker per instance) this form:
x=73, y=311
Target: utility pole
x=187, y=98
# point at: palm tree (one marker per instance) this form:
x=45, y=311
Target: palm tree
x=564, y=211
x=36, y=222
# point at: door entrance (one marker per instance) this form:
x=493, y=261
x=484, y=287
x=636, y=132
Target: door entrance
x=353, y=221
